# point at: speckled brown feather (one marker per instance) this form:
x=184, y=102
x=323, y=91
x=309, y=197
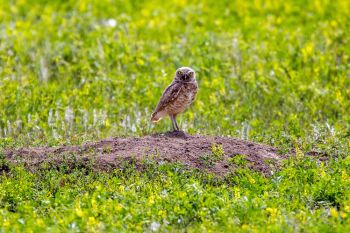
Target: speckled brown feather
x=176, y=97
x=168, y=96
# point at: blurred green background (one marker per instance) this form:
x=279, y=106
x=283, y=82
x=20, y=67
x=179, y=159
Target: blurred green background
x=276, y=72
x=270, y=71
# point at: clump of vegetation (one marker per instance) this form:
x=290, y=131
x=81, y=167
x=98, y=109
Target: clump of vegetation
x=239, y=160
x=4, y=165
x=217, y=153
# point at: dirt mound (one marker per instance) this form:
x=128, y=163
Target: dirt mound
x=219, y=155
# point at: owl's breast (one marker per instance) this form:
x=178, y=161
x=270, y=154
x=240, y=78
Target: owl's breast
x=185, y=98
x=188, y=91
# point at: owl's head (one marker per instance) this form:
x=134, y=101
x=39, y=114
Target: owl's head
x=185, y=74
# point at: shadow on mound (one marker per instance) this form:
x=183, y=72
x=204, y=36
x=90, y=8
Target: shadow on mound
x=219, y=155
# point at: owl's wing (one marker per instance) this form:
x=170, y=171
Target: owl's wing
x=168, y=96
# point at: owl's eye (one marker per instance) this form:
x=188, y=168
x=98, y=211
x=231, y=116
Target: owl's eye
x=190, y=74
x=180, y=73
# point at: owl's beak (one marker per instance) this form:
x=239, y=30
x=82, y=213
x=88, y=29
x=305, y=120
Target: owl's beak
x=188, y=75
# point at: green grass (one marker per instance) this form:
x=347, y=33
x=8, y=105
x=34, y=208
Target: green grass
x=275, y=72
x=304, y=196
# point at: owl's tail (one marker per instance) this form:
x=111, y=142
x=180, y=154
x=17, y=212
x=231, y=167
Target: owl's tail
x=155, y=117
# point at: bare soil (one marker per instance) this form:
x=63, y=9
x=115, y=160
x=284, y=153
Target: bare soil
x=194, y=151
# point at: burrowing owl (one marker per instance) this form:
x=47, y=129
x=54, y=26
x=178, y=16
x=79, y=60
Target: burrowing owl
x=177, y=96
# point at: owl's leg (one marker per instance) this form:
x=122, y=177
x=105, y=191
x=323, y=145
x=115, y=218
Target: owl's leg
x=173, y=122
x=177, y=126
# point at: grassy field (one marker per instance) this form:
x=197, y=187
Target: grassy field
x=274, y=72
